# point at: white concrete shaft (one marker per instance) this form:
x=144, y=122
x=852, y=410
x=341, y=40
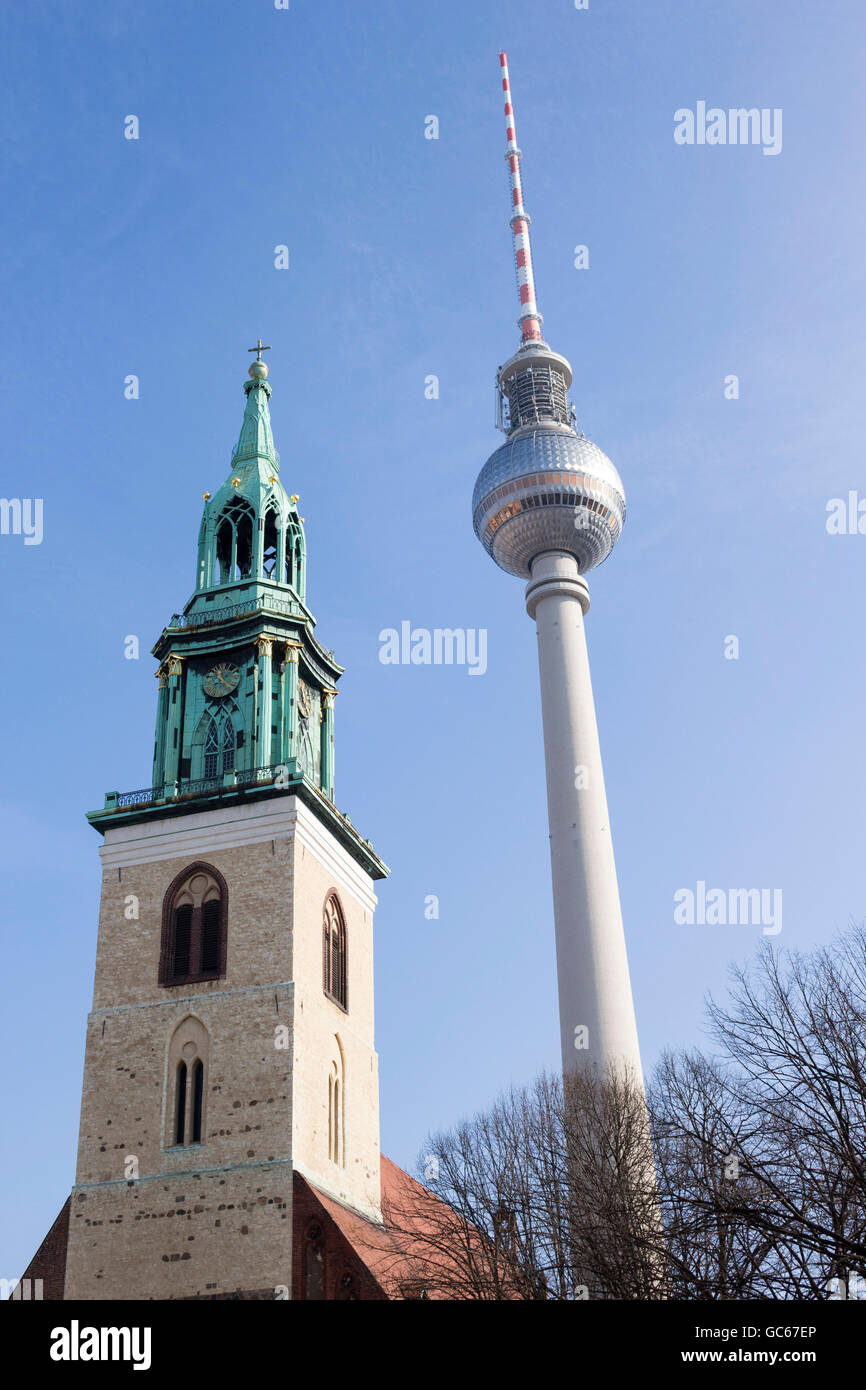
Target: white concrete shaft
x=592, y=965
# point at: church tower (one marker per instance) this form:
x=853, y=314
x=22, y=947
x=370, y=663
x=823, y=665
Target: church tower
x=230, y=1044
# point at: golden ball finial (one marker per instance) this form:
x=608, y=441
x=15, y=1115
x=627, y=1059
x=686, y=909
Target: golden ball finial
x=259, y=369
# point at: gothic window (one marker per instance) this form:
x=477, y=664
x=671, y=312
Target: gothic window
x=194, y=927
x=336, y=1110
x=295, y=559
x=269, y=555
x=182, y=938
x=186, y=1072
x=334, y=956
x=234, y=542
x=211, y=750
x=220, y=745
x=225, y=550
x=210, y=936
x=197, y=1099
x=180, y=1104
x=245, y=545
x=228, y=745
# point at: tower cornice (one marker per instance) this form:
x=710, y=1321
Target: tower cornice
x=114, y=814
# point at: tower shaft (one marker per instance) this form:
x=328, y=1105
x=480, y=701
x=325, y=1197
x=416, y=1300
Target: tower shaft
x=597, y=1022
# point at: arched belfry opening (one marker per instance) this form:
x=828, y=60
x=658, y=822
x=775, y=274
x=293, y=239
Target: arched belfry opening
x=234, y=542
x=194, y=926
x=295, y=557
x=273, y=543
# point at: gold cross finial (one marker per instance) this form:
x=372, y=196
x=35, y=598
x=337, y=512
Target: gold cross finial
x=259, y=350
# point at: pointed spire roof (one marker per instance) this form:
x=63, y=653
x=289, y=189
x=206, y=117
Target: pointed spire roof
x=256, y=439
x=255, y=462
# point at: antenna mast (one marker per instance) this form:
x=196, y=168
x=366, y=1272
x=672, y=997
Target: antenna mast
x=530, y=320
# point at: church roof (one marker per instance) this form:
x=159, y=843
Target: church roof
x=423, y=1247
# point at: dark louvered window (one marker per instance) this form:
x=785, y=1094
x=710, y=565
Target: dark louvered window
x=182, y=938
x=194, y=927
x=210, y=937
x=197, y=1098
x=338, y=981
x=334, y=956
x=180, y=1105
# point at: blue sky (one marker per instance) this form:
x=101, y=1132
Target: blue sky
x=156, y=257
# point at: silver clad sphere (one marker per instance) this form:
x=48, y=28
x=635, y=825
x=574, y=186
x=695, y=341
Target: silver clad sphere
x=548, y=489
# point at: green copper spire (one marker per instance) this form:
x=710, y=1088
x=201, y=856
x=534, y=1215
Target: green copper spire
x=251, y=530
x=245, y=706
x=256, y=437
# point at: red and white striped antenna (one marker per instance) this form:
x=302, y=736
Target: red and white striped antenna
x=530, y=320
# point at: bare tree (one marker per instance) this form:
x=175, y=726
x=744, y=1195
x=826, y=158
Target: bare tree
x=548, y=1195
x=762, y=1150
x=744, y=1178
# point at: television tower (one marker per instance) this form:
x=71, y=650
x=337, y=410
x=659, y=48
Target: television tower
x=548, y=506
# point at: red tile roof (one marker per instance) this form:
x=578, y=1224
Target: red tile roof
x=401, y=1254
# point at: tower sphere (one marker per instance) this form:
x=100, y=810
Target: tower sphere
x=548, y=488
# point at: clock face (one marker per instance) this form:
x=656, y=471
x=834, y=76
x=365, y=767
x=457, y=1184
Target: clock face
x=303, y=700
x=221, y=680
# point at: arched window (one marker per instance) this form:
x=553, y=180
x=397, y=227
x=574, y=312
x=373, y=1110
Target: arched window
x=186, y=1073
x=197, y=1099
x=212, y=750
x=245, y=545
x=295, y=557
x=234, y=542
x=336, y=1109
x=182, y=939
x=228, y=745
x=180, y=1105
x=334, y=955
x=194, y=927
x=220, y=744
x=270, y=545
